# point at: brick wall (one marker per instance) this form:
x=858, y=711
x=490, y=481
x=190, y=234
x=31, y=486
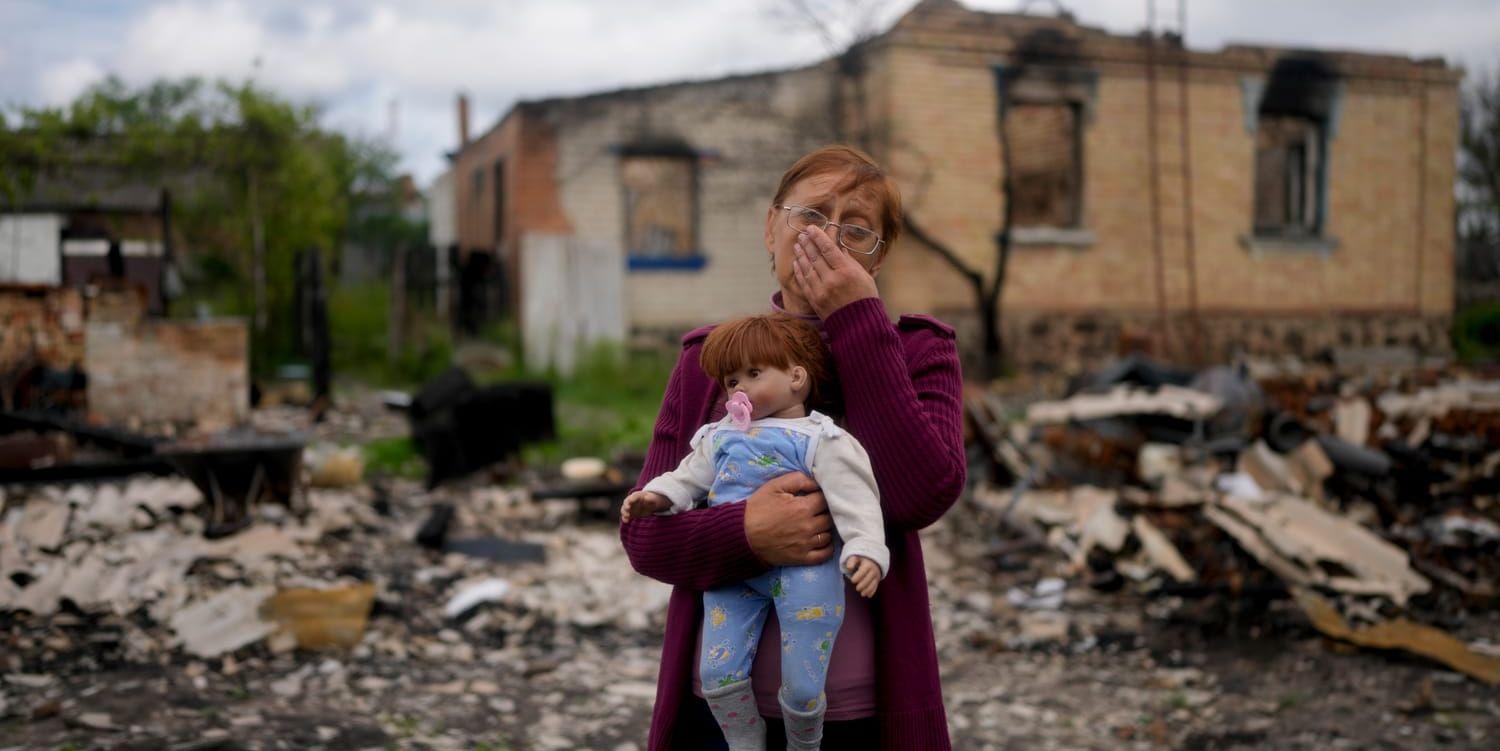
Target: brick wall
x=169, y=371
x=40, y=326
x=746, y=130
x=931, y=115
x=1390, y=203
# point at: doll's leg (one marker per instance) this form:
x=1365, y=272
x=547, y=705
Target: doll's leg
x=732, y=621
x=810, y=613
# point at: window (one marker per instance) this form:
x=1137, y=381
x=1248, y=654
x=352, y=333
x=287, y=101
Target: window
x=1292, y=116
x=1046, y=159
x=661, y=209
x=1288, y=161
x=1044, y=110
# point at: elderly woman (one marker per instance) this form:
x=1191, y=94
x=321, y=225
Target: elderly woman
x=829, y=228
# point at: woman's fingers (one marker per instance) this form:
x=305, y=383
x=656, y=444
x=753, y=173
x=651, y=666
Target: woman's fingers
x=794, y=483
x=803, y=253
x=825, y=248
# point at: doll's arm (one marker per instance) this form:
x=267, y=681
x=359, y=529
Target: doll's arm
x=692, y=478
x=842, y=469
x=703, y=548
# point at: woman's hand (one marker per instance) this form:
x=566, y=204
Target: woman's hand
x=787, y=529
x=829, y=278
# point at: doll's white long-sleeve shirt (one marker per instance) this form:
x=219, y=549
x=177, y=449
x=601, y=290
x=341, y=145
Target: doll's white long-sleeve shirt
x=728, y=464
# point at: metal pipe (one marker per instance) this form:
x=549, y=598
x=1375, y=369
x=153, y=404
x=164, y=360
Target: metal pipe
x=1151, y=147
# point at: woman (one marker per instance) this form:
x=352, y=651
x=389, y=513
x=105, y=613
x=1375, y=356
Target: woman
x=831, y=224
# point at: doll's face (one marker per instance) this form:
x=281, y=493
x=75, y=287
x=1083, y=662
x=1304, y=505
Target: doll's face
x=773, y=392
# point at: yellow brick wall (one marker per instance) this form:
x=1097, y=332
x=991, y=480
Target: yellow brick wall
x=941, y=103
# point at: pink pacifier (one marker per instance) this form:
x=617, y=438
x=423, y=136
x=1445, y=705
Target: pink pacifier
x=738, y=407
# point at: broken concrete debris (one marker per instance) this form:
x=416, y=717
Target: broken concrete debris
x=474, y=595
x=228, y=620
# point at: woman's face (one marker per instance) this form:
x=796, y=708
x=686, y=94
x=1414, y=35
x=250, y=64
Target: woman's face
x=820, y=192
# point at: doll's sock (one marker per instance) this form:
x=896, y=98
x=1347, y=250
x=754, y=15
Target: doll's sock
x=804, y=728
x=738, y=717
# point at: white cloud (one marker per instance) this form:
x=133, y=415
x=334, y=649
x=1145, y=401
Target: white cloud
x=354, y=57
x=62, y=83
x=185, y=38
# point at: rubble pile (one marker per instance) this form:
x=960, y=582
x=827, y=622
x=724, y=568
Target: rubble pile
x=331, y=597
x=1370, y=500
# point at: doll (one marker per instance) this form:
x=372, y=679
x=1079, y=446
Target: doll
x=771, y=366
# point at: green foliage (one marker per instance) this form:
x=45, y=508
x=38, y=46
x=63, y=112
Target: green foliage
x=1476, y=334
x=1479, y=158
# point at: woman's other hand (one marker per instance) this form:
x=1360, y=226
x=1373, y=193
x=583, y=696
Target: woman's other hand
x=787, y=522
x=828, y=276
x=864, y=573
x=641, y=503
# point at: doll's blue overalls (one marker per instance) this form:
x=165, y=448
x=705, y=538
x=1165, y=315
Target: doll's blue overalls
x=809, y=600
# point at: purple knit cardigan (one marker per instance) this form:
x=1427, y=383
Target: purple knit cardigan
x=902, y=397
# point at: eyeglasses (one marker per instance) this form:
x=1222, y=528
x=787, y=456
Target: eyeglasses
x=852, y=237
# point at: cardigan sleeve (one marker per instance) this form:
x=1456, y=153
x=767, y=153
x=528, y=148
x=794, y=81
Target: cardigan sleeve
x=700, y=549
x=903, y=400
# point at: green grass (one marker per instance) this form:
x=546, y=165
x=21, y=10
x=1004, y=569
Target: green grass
x=358, y=323
x=394, y=457
x=608, y=405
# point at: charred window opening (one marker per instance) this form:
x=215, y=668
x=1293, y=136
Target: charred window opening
x=661, y=202
x=1293, y=127
x=1044, y=108
x=1288, y=161
x=1046, y=158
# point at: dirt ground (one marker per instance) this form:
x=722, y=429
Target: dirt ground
x=569, y=660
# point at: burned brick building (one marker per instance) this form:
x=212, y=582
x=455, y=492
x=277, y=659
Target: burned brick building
x=1195, y=203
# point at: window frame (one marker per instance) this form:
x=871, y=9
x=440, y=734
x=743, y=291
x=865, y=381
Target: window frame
x=693, y=258
x=1077, y=86
x=1318, y=92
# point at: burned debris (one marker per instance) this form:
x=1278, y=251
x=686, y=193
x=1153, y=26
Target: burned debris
x=460, y=427
x=1366, y=499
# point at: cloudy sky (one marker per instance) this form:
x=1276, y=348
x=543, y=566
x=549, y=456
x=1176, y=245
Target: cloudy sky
x=392, y=69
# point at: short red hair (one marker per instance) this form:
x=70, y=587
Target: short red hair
x=863, y=173
x=771, y=340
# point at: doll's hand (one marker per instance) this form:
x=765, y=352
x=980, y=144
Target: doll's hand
x=642, y=503
x=864, y=573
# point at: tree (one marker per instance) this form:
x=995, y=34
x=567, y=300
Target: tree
x=261, y=179
x=1479, y=158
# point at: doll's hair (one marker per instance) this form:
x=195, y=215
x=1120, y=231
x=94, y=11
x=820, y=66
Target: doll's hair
x=775, y=340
